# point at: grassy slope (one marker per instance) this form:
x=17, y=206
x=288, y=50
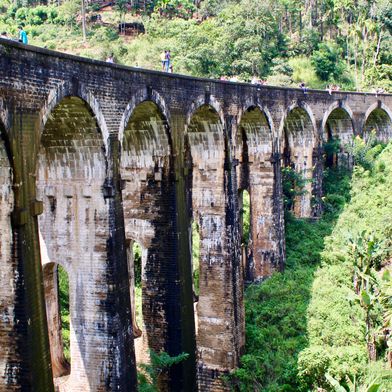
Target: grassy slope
x=300, y=324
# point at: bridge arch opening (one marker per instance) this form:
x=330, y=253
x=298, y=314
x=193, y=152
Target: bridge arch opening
x=256, y=185
x=338, y=133
x=148, y=199
x=136, y=264
x=298, y=145
x=74, y=228
x=380, y=123
x=8, y=268
x=56, y=285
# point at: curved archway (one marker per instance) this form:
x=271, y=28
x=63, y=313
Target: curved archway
x=65, y=90
x=143, y=96
x=9, y=356
x=205, y=101
x=380, y=122
x=71, y=173
x=148, y=197
x=338, y=132
x=254, y=151
x=298, y=143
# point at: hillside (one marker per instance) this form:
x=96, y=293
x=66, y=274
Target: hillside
x=308, y=324
x=320, y=42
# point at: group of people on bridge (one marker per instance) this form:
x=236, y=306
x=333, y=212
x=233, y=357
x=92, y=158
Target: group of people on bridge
x=167, y=66
x=22, y=35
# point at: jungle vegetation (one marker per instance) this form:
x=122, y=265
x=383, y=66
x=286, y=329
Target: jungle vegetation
x=319, y=42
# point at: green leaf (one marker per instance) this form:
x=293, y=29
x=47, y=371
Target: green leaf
x=335, y=383
x=386, y=276
x=374, y=388
x=365, y=298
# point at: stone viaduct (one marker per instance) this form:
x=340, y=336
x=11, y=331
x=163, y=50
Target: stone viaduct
x=97, y=156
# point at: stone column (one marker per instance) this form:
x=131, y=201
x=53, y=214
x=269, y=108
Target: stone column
x=220, y=312
x=24, y=355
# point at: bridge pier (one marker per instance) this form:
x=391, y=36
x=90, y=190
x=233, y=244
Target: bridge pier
x=256, y=175
x=82, y=231
x=214, y=205
x=24, y=354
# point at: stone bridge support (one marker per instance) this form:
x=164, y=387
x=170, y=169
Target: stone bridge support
x=78, y=229
x=24, y=354
x=254, y=151
x=214, y=195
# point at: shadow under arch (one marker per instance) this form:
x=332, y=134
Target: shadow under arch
x=297, y=144
x=145, y=96
x=378, y=118
x=256, y=173
x=338, y=132
x=205, y=101
x=71, y=172
x=78, y=90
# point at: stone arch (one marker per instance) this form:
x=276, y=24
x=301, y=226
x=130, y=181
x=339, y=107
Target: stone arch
x=256, y=175
x=71, y=174
x=304, y=111
x=338, y=125
x=9, y=356
x=298, y=140
x=140, y=96
x=254, y=124
x=337, y=105
x=202, y=101
x=378, y=118
x=73, y=89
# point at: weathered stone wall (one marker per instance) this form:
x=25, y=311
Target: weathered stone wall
x=10, y=361
x=254, y=151
x=75, y=227
x=134, y=155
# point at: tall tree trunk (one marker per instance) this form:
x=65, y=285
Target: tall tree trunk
x=377, y=50
x=84, y=21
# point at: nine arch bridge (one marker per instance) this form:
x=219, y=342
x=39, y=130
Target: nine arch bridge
x=95, y=157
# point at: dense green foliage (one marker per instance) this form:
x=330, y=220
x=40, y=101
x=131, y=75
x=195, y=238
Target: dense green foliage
x=319, y=42
x=304, y=331
x=149, y=374
x=63, y=286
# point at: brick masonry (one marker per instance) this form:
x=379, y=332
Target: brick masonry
x=95, y=156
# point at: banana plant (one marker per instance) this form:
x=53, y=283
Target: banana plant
x=353, y=385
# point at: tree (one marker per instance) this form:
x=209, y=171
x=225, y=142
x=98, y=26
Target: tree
x=327, y=61
x=84, y=30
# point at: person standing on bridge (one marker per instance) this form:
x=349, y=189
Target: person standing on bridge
x=168, y=61
x=163, y=60
x=22, y=35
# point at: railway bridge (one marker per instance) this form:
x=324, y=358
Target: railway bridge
x=95, y=157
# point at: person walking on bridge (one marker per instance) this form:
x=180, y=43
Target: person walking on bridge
x=22, y=35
